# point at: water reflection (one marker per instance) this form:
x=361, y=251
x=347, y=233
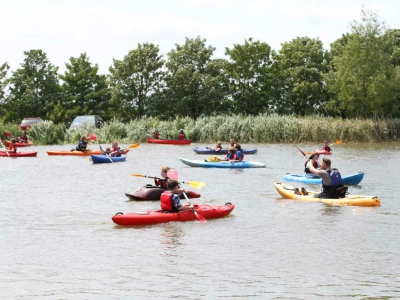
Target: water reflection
x=171, y=238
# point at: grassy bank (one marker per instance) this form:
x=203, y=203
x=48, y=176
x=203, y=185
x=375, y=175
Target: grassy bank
x=245, y=129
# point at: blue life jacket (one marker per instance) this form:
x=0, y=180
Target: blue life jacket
x=331, y=190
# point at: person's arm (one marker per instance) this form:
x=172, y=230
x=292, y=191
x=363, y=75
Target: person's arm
x=313, y=169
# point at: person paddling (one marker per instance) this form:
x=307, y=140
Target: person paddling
x=156, y=134
x=23, y=138
x=82, y=145
x=313, y=159
x=181, y=135
x=116, y=150
x=332, y=183
x=230, y=155
x=171, y=199
x=217, y=148
x=326, y=147
x=239, y=156
x=13, y=146
x=163, y=182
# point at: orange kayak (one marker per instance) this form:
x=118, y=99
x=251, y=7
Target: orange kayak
x=76, y=153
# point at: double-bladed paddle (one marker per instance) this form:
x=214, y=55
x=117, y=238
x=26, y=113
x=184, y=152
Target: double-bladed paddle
x=335, y=143
x=8, y=154
x=199, y=217
x=195, y=184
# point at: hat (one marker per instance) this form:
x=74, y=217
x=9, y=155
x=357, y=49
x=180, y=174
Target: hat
x=231, y=149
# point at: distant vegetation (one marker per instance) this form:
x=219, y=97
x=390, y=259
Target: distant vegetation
x=245, y=129
x=359, y=77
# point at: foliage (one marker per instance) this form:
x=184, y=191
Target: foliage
x=3, y=84
x=135, y=80
x=85, y=91
x=300, y=66
x=34, y=88
x=250, y=76
x=366, y=82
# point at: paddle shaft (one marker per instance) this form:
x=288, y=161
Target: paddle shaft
x=8, y=154
x=200, y=218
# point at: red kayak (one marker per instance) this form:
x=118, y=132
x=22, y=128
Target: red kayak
x=322, y=151
x=148, y=217
x=18, y=154
x=168, y=142
x=151, y=192
x=18, y=144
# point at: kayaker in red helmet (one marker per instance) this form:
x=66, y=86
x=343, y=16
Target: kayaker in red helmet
x=171, y=199
x=181, y=135
x=13, y=146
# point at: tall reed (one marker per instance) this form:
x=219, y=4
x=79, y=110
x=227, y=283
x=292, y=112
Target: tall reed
x=266, y=128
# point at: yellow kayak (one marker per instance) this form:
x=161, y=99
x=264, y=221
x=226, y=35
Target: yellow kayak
x=287, y=192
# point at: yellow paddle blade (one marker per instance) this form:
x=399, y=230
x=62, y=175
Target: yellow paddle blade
x=338, y=142
x=196, y=184
x=308, y=152
x=134, y=145
x=139, y=175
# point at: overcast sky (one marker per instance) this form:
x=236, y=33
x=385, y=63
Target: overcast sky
x=110, y=29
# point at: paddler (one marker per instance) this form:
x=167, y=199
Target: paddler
x=171, y=199
x=13, y=146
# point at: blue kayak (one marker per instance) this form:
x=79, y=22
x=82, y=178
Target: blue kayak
x=101, y=159
x=349, y=179
x=204, y=150
x=222, y=164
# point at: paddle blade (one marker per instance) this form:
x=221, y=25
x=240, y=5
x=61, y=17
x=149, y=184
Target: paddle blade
x=338, y=142
x=308, y=152
x=173, y=174
x=139, y=175
x=134, y=146
x=199, y=217
x=301, y=151
x=197, y=184
x=6, y=133
x=93, y=137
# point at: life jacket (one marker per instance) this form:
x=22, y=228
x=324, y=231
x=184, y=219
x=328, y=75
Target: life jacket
x=161, y=182
x=12, y=148
x=156, y=135
x=337, y=182
x=166, y=202
x=116, y=151
x=239, y=158
x=230, y=156
x=181, y=136
x=307, y=166
x=81, y=146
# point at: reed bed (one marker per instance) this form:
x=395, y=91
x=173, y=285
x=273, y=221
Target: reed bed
x=267, y=128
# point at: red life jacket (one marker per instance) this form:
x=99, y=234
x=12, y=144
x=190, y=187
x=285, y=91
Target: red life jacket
x=166, y=201
x=117, y=153
x=156, y=135
x=12, y=148
x=181, y=136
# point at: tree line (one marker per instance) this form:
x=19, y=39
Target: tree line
x=358, y=77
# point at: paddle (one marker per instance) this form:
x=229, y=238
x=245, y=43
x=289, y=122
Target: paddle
x=94, y=138
x=199, y=217
x=302, y=152
x=8, y=154
x=335, y=143
x=195, y=184
x=133, y=146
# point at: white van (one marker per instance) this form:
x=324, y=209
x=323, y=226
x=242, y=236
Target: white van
x=89, y=121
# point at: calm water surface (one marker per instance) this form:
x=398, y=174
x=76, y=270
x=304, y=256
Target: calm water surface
x=58, y=240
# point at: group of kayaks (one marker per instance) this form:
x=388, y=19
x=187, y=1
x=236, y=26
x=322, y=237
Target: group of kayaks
x=288, y=192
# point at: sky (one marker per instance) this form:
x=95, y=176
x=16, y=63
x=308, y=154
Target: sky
x=108, y=30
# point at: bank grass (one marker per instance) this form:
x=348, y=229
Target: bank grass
x=245, y=129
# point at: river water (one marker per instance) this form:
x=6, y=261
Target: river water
x=58, y=240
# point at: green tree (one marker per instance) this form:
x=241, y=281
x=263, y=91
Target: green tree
x=366, y=81
x=250, y=75
x=34, y=88
x=85, y=91
x=195, y=84
x=3, y=85
x=299, y=67
x=135, y=80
